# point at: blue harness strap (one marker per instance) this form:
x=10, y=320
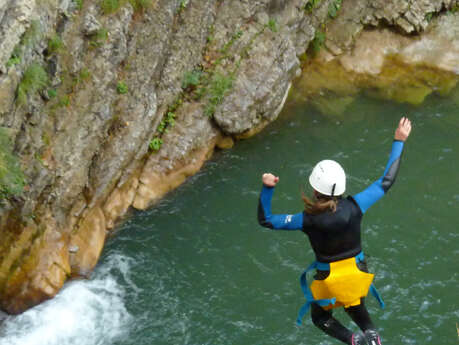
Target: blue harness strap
x=321, y=266
x=373, y=290
x=307, y=291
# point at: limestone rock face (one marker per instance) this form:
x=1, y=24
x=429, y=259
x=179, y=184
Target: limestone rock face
x=119, y=106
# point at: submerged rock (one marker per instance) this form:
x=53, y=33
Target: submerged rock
x=384, y=64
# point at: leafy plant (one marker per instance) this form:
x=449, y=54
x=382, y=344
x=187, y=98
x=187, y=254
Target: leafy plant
x=122, y=88
x=52, y=93
x=318, y=41
x=272, y=25
x=429, y=16
x=55, y=44
x=311, y=5
x=155, y=143
x=64, y=101
x=79, y=4
x=140, y=5
x=182, y=5
x=219, y=84
x=333, y=8
x=110, y=6
x=191, y=78
x=32, y=34
x=14, y=60
x=99, y=38
x=35, y=79
x=29, y=37
x=12, y=179
x=238, y=34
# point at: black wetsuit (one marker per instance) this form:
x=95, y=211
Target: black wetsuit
x=335, y=236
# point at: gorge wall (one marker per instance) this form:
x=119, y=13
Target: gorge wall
x=110, y=104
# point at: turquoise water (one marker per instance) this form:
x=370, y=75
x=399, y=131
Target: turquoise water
x=198, y=269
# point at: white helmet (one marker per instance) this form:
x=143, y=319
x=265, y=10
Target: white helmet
x=328, y=178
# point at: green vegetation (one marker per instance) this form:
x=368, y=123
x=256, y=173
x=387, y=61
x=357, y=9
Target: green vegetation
x=333, y=8
x=52, y=93
x=140, y=5
x=454, y=9
x=12, y=179
x=238, y=34
x=64, y=101
x=272, y=25
x=167, y=121
x=55, y=44
x=35, y=79
x=111, y=6
x=182, y=5
x=99, y=38
x=79, y=4
x=191, y=79
x=84, y=74
x=219, y=84
x=122, y=88
x=13, y=60
x=155, y=144
x=318, y=41
x=30, y=36
x=311, y=5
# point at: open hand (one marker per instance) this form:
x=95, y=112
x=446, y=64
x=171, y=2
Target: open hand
x=269, y=180
x=403, y=130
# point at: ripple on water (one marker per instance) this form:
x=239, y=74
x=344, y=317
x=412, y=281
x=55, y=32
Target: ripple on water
x=85, y=312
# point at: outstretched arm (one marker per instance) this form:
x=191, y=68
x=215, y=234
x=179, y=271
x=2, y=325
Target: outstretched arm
x=377, y=190
x=275, y=221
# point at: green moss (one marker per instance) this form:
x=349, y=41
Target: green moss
x=35, y=79
x=122, y=88
x=12, y=179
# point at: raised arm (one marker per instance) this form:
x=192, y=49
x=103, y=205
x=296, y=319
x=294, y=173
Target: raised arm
x=275, y=221
x=380, y=187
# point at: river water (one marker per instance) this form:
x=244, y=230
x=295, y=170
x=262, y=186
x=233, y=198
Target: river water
x=198, y=269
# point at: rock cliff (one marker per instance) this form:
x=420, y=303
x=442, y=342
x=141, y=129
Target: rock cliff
x=109, y=104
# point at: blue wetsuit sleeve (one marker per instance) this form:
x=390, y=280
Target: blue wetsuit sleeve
x=375, y=191
x=276, y=221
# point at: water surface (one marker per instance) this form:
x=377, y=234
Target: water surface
x=198, y=269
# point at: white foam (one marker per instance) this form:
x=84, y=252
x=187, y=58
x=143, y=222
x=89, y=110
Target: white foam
x=85, y=312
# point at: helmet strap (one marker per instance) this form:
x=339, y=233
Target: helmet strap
x=333, y=190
